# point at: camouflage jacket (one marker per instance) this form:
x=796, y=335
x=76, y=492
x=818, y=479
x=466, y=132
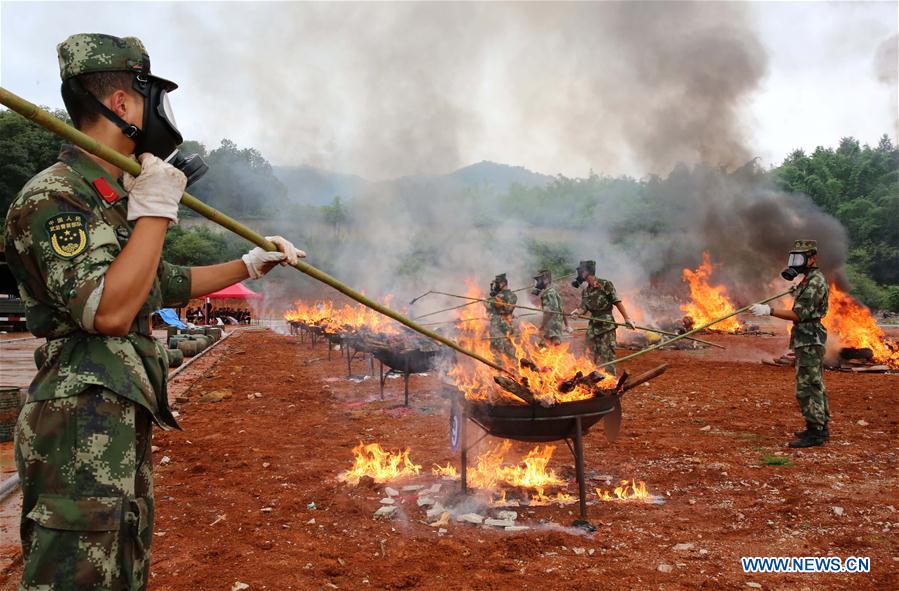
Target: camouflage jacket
x=597, y=302
x=500, y=308
x=551, y=302
x=64, y=229
x=810, y=305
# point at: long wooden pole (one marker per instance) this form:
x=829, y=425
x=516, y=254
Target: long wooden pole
x=697, y=329
x=49, y=122
x=583, y=317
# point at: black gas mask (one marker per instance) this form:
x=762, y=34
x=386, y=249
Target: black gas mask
x=494, y=288
x=797, y=263
x=158, y=133
x=580, y=279
x=540, y=283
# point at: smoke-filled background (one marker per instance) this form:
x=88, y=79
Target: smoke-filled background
x=634, y=86
x=397, y=96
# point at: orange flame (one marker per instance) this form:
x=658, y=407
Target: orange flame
x=531, y=473
x=343, y=318
x=708, y=301
x=448, y=471
x=383, y=466
x=853, y=325
x=553, y=364
x=628, y=491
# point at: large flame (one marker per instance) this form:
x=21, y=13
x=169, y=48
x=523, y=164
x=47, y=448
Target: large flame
x=346, y=318
x=707, y=301
x=381, y=465
x=853, y=325
x=551, y=365
x=495, y=472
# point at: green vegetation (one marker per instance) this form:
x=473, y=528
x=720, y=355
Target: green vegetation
x=554, y=256
x=201, y=245
x=773, y=460
x=335, y=215
x=26, y=149
x=240, y=181
x=859, y=185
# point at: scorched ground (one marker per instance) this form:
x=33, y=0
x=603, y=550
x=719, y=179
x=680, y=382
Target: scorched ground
x=236, y=491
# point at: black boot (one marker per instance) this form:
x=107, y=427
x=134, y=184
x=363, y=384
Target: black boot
x=803, y=432
x=814, y=437
x=808, y=427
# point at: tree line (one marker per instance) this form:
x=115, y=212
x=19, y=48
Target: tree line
x=857, y=184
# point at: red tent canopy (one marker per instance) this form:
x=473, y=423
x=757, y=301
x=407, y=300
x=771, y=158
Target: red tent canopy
x=238, y=291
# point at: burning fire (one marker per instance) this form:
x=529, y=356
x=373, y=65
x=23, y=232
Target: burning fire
x=549, y=368
x=448, y=471
x=383, y=466
x=531, y=473
x=628, y=491
x=333, y=318
x=708, y=302
x=854, y=326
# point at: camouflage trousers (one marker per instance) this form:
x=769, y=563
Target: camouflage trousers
x=501, y=331
x=810, y=391
x=87, y=493
x=601, y=344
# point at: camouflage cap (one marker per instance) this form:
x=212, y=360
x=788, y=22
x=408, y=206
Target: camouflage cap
x=501, y=278
x=544, y=273
x=805, y=246
x=588, y=266
x=85, y=53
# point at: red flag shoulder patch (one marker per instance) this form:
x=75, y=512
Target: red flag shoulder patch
x=108, y=194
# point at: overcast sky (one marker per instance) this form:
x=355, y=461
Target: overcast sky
x=389, y=89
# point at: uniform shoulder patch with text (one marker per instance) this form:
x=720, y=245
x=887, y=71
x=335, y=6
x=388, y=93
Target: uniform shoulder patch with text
x=68, y=234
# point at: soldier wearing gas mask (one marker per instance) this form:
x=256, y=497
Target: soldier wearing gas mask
x=554, y=320
x=807, y=339
x=500, y=306
x=84, y=244
x=597, y=300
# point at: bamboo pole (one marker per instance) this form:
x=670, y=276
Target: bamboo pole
x=49, y=122
x=476, y=300
x=697, y=329
x=583, y=317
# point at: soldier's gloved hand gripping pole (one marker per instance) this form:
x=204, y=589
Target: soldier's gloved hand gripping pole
x=132, y=167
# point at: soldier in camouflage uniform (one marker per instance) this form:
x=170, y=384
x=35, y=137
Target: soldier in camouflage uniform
x=807, y=339
x=554, y=320
x=597, y=300
x=84, y=246
x=500, y=306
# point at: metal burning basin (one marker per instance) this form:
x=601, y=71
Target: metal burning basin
x=539, y=424
x=404, y=361
x=567, y=421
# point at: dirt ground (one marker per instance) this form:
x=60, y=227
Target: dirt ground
x=234, y=497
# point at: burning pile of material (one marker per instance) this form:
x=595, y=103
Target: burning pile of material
x=853, y=326
x=707, y=301
x=333, y=319
x=378, y=464
x=493, y=472
x=550, y=375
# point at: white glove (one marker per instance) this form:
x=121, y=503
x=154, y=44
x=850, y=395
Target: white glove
x=156, y=191
x=575, y=314
x=760, y=309
x=569, y=329
x=630, y=324
x=260, y=261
